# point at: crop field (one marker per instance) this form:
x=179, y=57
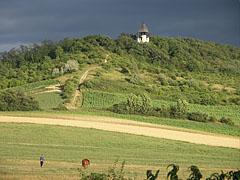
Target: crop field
x=100, y=100
x=64, y=147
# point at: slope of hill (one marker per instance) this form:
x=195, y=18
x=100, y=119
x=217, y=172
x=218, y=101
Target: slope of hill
x=165, y=70
x=200, y=72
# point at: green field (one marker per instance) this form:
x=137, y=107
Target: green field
x=36, y=86
x=64, y=147
x=48, y=100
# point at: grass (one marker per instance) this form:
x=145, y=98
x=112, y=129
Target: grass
x=48, y=100
x=36, y=86
x=64, y=147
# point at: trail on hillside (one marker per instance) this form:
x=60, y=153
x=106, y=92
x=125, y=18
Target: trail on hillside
x=131, y=127
x=73, y=103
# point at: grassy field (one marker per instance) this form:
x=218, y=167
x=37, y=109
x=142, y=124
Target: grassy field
x=48, y=100
x=64, y=147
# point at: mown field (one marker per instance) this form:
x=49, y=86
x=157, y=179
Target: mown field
x=64, y=147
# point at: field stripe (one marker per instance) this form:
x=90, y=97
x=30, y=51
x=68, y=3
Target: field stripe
x=197, y=138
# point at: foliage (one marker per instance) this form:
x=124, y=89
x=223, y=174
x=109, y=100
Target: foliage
x=112, y=174
x=70, y=87
x=135, y=104
x=226, y=121
x=17, y=101
x=180, y=110
x=151, y=176
x=182, y=68
x=195, y=173
x=173, y=173
x=198, y=116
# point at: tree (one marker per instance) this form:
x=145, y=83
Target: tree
x=17, y=101
x=180, y=110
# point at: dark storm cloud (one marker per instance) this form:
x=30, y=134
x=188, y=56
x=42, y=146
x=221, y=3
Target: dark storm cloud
x=32, y=21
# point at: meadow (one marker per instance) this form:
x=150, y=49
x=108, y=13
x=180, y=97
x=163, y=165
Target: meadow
x=48, y=100
x=64, y=147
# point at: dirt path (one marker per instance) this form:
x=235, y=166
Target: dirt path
x=131, y=127
x=73, y=103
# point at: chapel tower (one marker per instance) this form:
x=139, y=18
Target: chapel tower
x=143, y=34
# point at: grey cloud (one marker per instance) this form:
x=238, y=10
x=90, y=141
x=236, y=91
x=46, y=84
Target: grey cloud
x=30, y=21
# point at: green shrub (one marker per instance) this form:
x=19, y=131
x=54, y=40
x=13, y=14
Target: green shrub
x=136, y=104
x=212, y=119
x=226, y=121
x=88, y=84
x=17, y=101
x=198, y=116
x=173, y=173
x=111, y=174
x=195, y=173
x=180, y=110
x=70, y=87
x=151, y=176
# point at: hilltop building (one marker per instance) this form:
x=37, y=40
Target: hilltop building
x=143, y=34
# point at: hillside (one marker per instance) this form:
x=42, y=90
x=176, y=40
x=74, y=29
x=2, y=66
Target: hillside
x=176, y=91
x=167, y=69
x=166, y=74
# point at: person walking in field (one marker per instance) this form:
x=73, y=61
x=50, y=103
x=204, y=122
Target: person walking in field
x=42, y=160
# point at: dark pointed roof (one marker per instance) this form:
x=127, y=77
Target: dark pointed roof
x=143, y=28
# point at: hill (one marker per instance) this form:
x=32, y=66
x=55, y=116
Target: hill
x=167, y=69
x=202, y=74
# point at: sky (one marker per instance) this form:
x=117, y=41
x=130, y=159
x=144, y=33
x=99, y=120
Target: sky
x=24, y=22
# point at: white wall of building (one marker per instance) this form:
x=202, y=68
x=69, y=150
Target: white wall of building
x=143, y=38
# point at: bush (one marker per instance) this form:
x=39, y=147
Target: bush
x=180, y=110
x=212, y=119
x=163, y=111
x=70, y=87
x=140, y=104
x=88, y=84
x=226, y=121
x=17, y=101
x=198, y=116
x=112, y=174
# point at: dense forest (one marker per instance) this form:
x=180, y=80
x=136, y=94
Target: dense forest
x=200, y=72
